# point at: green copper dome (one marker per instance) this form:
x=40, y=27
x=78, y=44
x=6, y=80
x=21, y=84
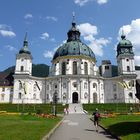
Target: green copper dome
x=124, y=42
x=25, y=46
x=74, y=46
x=124, y=47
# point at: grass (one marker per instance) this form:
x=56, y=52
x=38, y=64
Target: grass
x=111, y=107
x=25, y=127
x=42, y=108
x=127, y=127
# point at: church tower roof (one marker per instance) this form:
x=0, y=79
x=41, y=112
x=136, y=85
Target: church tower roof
x=124, y=42
x=124, y=46
x=25, y=48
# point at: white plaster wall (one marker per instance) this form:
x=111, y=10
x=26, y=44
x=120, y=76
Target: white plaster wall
x=7, y=93
x=27, y=97
x=26, y=63
x=56, y=68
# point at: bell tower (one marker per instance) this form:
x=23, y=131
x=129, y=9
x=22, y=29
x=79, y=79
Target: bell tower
x=125, y=57
x=24, y=60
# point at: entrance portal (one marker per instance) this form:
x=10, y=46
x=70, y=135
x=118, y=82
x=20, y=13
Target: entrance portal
x=75, y=97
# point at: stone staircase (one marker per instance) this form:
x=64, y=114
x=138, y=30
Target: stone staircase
x=76, y=109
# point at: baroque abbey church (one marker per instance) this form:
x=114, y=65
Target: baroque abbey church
x=74, y=76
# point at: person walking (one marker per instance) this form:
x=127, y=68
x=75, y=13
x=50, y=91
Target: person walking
x=96, y=116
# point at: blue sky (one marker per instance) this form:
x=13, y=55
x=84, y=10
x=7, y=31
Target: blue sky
x=48, y=21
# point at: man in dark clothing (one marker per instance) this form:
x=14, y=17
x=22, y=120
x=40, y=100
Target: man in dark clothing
x=96, y=116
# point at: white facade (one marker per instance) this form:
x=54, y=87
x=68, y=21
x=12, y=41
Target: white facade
x=6, y=94
x=74, y=77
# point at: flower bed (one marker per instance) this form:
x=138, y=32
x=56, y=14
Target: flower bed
x=45, y=115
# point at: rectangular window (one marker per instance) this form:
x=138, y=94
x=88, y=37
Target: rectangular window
x=106, y=67
x=115, y=96
x=11, y=89
x=47, y=87
x=114, y=87
x=128, y=68
x=3, y=89
x=2, y=97
x=64, y=85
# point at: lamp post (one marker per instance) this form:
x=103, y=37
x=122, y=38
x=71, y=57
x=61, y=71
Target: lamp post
x=55, y=103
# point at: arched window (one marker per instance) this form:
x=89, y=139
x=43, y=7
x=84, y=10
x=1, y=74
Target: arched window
x=74, y=67
x=55, y=85
x=64, y=96
x=21, y=68
x=34, y=87
x=47, y=87
x=95, y=86
x=2, y=97
x=63, y=68
x=19, y=95
x=130, y=94
x=86, y=68
x=64, y=85
x=86, y=95
x=20, y=85
x=94, y=97
x=75, y=84
x=131, y=83
x=47, y=96
x=3, y=89
x=128, y=68
x=85, y=85
x=34, y=96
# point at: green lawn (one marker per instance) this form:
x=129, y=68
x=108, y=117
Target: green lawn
x=126, y=127
x=111, y=107
x=25, y=127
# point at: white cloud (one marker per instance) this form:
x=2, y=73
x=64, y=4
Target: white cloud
x=48, y=54
x=89, y=31
x=137, y=60
x=11, y=48
x=81, y=2
x=84, y=2
x=132, y=32
x=44, y=36
x=28, y=16
x=6, y=33
x=51, y=18
x=52, y=39
x=102, y=1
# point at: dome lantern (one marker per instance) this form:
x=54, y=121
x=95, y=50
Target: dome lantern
x=73, y=33
x=25, y=46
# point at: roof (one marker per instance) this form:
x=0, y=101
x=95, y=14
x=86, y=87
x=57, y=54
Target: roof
x=124, y=42
x=6, y=79
x=25, y=49
x=104, y=62
x=74, y=46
